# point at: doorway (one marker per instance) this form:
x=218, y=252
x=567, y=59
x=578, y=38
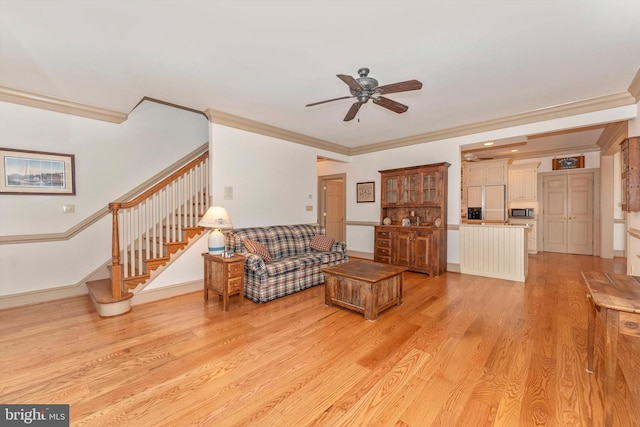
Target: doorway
x=332, y=205
x=568, y=213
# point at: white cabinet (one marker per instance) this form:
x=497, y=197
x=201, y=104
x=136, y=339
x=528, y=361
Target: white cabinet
x=523, y=182
x=532, y=237
x=474, y=197
x=487, y=172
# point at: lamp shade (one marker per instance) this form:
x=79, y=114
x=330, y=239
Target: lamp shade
x=216, y=218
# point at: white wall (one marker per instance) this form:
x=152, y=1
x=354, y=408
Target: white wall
x=273, y=180
x=110, y=159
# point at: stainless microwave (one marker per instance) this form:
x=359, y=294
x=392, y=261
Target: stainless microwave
x=521, y=213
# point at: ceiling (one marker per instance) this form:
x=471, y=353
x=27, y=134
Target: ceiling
x=265, y=60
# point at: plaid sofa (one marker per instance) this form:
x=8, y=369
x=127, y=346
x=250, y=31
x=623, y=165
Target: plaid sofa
x=294, y=265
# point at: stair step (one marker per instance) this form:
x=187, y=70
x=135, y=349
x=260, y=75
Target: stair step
x=133, y=281
x=101, y=292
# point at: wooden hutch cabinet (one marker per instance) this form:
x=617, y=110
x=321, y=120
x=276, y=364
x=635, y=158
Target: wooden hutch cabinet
x=630, y=173
x=417, y=197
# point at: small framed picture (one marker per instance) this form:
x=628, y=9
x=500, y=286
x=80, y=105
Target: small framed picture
x=36, y=172
x=575, y=162
x=366, y=192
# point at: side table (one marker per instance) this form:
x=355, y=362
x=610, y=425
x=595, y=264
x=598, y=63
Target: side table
x=617, y=297
x=224, y=276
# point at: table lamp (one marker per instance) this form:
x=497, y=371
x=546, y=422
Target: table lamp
x=217, y=219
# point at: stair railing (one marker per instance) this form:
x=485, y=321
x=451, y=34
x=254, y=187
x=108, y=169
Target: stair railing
x=145, y=226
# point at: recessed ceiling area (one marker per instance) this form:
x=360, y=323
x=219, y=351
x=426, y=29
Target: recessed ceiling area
x=574, y=141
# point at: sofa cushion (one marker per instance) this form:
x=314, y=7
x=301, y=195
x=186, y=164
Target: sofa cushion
x=308, y=260
x=331, y=257
x=258, y=249
x=284, y=241
x=282, y=266
x=304, y=234
x=321, y=243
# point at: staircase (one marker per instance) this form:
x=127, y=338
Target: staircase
x=149, y=232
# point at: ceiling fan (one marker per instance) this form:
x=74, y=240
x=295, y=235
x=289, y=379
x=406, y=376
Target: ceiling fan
x=365, y=88
x=471, y=157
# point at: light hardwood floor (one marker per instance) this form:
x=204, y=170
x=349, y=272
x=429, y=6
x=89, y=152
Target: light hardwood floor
x=460, y=351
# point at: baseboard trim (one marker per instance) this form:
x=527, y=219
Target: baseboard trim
x=357, y=254
x=156, y=294
x=453, y=268
x=42, y=295
x=620, y=254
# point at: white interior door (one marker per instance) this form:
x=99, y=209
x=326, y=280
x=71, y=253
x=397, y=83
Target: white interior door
x=580, y=214
x=568, y=213
x=555, y=213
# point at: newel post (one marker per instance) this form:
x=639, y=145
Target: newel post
x=116, y=267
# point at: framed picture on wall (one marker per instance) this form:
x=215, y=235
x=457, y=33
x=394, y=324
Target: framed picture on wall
x=575, y=162
x=366, y=192
x=36, y=172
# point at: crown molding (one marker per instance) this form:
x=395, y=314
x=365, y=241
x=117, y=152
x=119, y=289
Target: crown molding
x=634, y=87
x=60, y=105
x=214, y=116
x=226, y=119
x=612, y=135
x=549, y=113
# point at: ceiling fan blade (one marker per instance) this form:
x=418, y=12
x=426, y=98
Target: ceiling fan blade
x=351, y=114
x=350, y=81
x=389, y=104
x=328, y=100
x=400, y=86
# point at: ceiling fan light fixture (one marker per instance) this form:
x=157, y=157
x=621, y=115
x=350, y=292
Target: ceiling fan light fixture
x=364, y=88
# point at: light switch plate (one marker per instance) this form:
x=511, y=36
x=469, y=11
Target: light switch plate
x=228, y=193
x=69, y=208
x=309, y=208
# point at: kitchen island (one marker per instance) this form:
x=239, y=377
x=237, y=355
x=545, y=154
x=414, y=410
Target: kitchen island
x=494, y=250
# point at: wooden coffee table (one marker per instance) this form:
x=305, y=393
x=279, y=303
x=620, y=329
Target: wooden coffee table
x=364, y=286
x=617, y=297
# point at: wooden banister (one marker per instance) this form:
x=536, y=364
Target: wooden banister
x=116, y=268
x=146, y=194
x=147, y=228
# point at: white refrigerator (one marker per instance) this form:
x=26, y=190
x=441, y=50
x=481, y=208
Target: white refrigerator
x=492, y=200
